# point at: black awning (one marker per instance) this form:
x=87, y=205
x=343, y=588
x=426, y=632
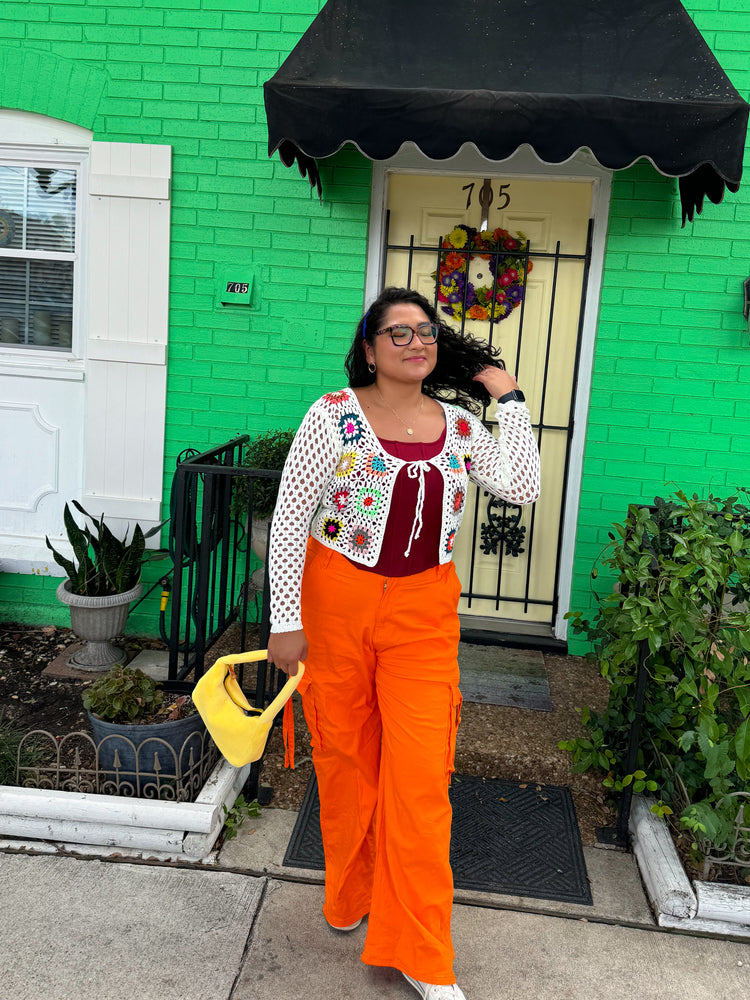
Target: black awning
x=623, y=79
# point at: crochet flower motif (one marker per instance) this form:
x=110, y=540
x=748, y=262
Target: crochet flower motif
x=450, y=540
x=350, y=427
x=360, y=539
x=455, y=463
x=332, y=528
x=340, y=498
x=376, y=466
x=346, y=463
x=463, y=427
x=467, y=463
x=368, y=501
x=458, y=500
x=336, y=397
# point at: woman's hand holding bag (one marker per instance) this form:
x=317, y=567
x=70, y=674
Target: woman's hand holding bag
x=238, y=730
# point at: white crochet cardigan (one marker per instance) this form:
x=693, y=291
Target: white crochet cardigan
x=338, y=482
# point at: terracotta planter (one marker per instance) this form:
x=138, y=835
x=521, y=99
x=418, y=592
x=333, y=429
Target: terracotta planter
x=97, y=620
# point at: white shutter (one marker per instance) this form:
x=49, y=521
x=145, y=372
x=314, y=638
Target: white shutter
x=128, y=326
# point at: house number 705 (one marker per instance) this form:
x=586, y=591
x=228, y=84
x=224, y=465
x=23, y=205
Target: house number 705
x=240, y=287
x=487, y=195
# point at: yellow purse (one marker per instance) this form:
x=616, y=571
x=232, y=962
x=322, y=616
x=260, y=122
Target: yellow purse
x=238, y=730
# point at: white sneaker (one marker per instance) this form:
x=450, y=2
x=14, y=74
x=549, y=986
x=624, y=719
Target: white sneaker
x=351, y=927
x=435, y=992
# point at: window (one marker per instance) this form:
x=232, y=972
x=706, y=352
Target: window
x=38, y=258
x=84, y=291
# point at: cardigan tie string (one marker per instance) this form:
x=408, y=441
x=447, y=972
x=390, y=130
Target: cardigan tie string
x=416, y=470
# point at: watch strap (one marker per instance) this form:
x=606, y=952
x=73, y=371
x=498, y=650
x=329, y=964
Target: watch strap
x=515, y=395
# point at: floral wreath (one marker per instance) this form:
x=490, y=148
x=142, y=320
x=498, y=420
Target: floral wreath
x=508, y=266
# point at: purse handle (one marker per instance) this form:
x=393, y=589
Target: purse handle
x=286, y=692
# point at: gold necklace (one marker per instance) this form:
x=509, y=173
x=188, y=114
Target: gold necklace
x=409, y=430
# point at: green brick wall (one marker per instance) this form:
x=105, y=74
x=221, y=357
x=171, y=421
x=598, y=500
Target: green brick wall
x=671, y=374
x=31, y=599
x=190, y=73
x=669, y=404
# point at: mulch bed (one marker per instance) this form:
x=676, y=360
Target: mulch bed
x=493, y=741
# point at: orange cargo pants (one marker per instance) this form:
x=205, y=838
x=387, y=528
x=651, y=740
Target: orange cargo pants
x=382, y=704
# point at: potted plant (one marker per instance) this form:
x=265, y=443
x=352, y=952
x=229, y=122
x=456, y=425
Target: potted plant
x=267, y=451
x=141, y=733
x=103, y=580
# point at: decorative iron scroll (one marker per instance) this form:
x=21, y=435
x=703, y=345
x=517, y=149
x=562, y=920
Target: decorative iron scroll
x=734, y=848
x=71, y=764
x=504, y=528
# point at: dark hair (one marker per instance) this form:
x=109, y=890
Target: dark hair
x=459, y=357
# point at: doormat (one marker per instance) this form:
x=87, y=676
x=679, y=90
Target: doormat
x=517, y=839
x=495, y=675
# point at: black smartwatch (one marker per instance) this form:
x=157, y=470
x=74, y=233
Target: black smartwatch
x=515, y=395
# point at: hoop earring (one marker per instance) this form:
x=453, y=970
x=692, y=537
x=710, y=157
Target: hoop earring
x=371, y=368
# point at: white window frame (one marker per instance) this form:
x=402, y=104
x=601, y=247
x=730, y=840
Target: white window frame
x=66, y=147
x=121, y=435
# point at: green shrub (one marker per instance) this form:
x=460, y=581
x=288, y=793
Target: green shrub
x=682, y=587
x=236, y=816
x=266, y=451
x=123, y=695
x=127, y=696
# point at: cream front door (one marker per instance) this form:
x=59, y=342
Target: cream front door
x=508, y=558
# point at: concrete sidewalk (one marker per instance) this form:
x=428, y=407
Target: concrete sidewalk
x=86, y=929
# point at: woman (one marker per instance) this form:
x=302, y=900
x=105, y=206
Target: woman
x=364, y=591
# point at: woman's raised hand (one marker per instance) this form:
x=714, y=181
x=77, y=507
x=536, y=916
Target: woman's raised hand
x=497, y=381
x=286, y=649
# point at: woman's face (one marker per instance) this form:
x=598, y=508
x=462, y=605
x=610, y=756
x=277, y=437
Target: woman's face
x=410, y=363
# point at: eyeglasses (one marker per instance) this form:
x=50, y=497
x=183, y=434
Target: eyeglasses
x=402, y=335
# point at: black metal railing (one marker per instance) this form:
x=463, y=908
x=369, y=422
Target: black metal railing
x=214, y=584
x=217, y=580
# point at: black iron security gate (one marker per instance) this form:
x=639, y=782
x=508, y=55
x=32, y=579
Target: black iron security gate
x=213, y=583
x=493, y=526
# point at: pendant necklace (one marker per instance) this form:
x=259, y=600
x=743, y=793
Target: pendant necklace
x=409, y=430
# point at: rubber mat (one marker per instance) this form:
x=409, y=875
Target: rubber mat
x=517, y=839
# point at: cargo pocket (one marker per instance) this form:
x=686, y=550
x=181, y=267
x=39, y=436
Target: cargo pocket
x=453, y=722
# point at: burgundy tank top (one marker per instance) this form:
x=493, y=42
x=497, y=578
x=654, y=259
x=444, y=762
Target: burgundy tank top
x=402, y=524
